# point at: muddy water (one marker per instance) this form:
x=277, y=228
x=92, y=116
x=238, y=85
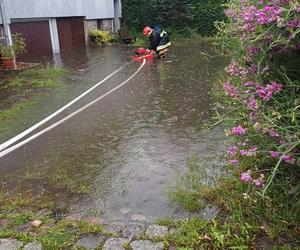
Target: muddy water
x=117, y=158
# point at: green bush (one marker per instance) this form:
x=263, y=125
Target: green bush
x=179, y=15
x=18, y=47
x=99, y=36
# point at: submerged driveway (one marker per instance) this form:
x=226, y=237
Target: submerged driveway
x=119, y=157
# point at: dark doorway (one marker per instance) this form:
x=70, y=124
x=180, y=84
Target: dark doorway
x=70, y=32
x=37, y=35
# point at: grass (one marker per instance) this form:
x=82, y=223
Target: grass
x=44, y=77
x=15, y=113
x=245, y=216
x=20, y=93
x=191, y=187
x=61, y=179
x=53, y=234
x=24, y=83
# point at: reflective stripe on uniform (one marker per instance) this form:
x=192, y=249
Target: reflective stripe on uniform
x=163, y=33
x=161, y=47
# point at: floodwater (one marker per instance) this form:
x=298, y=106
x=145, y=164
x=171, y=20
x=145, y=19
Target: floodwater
x=119, y=157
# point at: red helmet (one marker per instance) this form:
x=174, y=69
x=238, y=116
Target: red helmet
x=147, y=30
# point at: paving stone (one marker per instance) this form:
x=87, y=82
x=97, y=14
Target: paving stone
x=43, y=212
x=4, y=223
x=115, y=244
x=156, y=231
x=33, y=246
x=74, y=216
x=90, y=241
x=146, y=245
x=95, y=220
x=138, y=218
x=210, y=213
x=125, y=210
x=114, y=227
x=10, y=244
x=133, y=230
x=23, y=228
x=172, y=247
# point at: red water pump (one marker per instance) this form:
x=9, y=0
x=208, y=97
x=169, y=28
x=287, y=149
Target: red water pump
x=142, y=53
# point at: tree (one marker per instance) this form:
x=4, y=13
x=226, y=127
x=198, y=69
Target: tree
x=198, y=15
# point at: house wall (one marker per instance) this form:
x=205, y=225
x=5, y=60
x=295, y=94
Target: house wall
x=1, y=31
x=103, y=14
x=90, y=9
x=2, y=38
x=106, y=24
x=89, y=24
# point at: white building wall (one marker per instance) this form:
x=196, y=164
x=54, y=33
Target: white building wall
x=90, y=9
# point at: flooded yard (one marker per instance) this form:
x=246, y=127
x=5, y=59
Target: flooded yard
x=118, y=158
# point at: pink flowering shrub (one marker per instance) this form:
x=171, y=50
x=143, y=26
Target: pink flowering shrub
x=262, y=39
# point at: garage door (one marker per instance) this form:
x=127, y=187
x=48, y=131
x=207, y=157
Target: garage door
x=70, y=32
x=37, y=35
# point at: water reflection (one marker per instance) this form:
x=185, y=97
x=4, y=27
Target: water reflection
x=117, y=158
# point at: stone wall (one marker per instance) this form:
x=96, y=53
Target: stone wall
x=89, y=24
x=106, y=24
x=1, y=31
x=2, y=37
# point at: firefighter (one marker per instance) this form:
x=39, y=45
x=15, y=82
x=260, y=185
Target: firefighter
x=159, y=41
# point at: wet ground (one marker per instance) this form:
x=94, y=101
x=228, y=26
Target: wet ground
x=118, y=158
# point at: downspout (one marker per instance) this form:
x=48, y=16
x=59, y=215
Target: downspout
x=5, y=23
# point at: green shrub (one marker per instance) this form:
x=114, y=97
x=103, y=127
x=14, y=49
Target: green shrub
x=99, y=36
x=18, y=47
x=179, y=15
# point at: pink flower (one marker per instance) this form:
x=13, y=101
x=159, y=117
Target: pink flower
x=231, y=90
x=260, y=182
x=252, y=51
x=252, y=69
x=234, y=161
x=273, y=133
x=243, y=152
x=276, y=87
x=235, y=70
x=246, y=176
x=248, y=84
x=249, y=152
x=268, y=14
x=267, y=92
x=243, y=143
x=274, y=154
x=289, y=159
x=264, y=93
x=252, y=103
x=230, y=13
x=238, y=130
x=248, y=14
x=293, y=23
x=232, y=151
